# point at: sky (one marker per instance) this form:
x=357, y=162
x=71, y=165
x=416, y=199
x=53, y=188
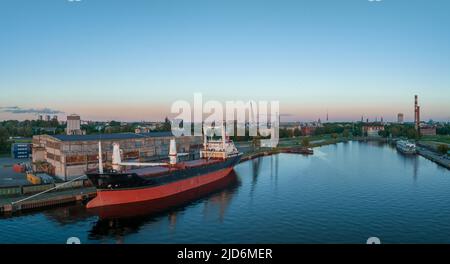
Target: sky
x=131, y=59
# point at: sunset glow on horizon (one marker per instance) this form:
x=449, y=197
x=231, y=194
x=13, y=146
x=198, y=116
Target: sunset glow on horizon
x=130, y=60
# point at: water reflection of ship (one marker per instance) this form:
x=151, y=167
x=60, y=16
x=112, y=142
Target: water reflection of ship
x=376, y=143
x=117, y=221
x=274, y=158
x=63, y=215
x=410, y=160
x=416, y=167
x=69, y=214
x=218, y=204
x=256, y=165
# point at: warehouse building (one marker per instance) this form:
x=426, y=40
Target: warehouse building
x=69, y=156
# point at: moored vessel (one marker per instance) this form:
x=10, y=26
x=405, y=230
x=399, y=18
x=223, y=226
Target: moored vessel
x=406, y=147
x=151, y=181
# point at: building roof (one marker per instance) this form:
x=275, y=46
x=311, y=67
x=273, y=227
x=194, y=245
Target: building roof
x=115, y=136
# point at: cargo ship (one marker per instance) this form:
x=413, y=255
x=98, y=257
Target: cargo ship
x=406, y=147
x=152, y=181
x=149, y=208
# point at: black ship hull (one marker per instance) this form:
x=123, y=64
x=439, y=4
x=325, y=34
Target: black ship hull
x=120, y=188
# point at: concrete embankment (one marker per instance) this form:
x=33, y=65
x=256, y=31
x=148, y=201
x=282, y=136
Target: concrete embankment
x=439, y=159
x=10, y=205
x=293, y=150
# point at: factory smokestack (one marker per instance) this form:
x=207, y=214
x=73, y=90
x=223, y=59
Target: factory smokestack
x=418, y=119
x=416, y=113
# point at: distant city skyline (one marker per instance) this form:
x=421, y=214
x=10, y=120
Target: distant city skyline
x=130, y=60
x=61, y=116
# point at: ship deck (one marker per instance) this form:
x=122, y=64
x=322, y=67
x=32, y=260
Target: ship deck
x=158, y=170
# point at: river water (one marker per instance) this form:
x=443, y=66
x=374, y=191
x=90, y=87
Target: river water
x=344, y=193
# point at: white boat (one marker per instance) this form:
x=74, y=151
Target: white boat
x=406, y=147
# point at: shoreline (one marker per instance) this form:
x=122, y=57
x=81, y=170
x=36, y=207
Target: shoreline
x=71, y=196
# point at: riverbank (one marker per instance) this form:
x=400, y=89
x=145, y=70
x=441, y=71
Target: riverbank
x=291, y=145
x=433, y=156
x=55, y=198
x=15, y=204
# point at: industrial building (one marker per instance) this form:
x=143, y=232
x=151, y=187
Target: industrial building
x=74, y=125
x=427, y=130
x=68, y=156
x=422, y=129
x=416, y=114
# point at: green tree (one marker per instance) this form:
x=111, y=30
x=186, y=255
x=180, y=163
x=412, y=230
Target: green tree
x=4, y=136
x=114, y=123
x=167, y=126
x=383, y=133
x=442, y=148
x=334, y=135
x=411, y=133
x=357, y=131
x=305, y=142
x=346, y=133
x=283, y=133
x=443, y=129
x=395, y=131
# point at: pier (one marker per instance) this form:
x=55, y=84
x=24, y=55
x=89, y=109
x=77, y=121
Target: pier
x=10, y=205
x=29, y=197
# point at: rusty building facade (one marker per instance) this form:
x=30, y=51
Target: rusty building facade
x=69, y=156
x=372, y=130
x=427, y=130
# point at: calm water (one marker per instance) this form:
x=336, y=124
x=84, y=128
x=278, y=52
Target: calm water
x=344, y=193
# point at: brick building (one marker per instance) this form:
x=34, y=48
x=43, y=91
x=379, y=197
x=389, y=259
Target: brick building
x=68, y=156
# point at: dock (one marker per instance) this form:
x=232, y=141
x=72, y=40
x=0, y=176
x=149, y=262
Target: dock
x=10, y=205
x=439, y=159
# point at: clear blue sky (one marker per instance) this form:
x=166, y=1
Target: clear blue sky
x=130, y=60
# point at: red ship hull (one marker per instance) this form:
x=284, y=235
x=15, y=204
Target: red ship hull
x=136, y=195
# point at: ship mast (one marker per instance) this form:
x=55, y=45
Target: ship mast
x=173, y=157
x=223, y=136
x=100, y=158
x=205, y=138
x=117, y=160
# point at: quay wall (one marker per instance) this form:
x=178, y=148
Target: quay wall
x=68, y=198
x=12, y=191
